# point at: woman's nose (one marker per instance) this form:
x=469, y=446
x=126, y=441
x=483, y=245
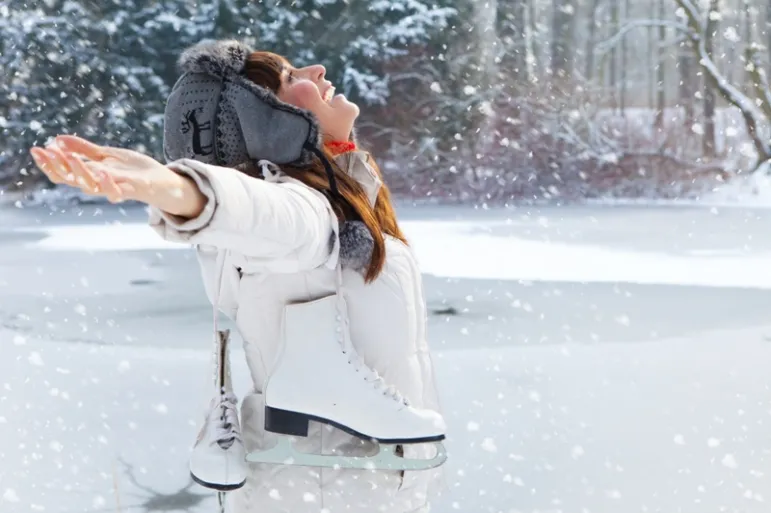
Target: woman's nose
x=317, y=71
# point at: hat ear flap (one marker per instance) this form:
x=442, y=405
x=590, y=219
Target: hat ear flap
x=272, y=130
x=190, y=119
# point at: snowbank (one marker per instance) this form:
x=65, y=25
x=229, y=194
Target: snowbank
x=466, y=249
x=753, y=190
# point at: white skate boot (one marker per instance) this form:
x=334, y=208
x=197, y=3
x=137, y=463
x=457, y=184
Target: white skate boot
x=318, y=376
x=218, y=457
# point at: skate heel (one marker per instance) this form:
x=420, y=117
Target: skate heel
x=285, y=422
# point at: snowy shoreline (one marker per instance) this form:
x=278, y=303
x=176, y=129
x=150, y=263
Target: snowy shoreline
x=742, y=191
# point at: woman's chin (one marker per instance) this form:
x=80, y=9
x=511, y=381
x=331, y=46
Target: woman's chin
x=343, y=106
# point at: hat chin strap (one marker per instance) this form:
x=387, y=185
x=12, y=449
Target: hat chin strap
x=327, y=166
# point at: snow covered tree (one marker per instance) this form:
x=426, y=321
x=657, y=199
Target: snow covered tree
x=499, y=95
x=90, y=67
x=699, y=30
x=353, y=38
x=430, y=105
x=103, y=68
x=511, y=20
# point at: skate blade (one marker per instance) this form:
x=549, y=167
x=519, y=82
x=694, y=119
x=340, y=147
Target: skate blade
x=284, y=453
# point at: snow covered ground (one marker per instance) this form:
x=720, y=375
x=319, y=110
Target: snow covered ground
x=750, y=191
x=596, y=360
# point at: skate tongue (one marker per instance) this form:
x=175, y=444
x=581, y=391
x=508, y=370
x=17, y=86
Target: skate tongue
x=226, y=432
x=371, y=375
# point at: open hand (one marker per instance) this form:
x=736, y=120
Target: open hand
x=117, y=174
x=114, y=173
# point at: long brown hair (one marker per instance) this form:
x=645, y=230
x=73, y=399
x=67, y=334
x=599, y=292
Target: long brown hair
x=265, y=69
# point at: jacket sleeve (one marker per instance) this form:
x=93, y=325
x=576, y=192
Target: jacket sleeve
x=285, y=223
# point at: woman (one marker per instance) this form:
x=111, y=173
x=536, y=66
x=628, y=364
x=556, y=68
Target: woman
x=298, y=243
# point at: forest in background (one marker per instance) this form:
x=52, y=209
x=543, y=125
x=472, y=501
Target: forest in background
x=500, y=101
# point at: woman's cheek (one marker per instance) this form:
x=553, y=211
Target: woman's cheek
x=305, y=94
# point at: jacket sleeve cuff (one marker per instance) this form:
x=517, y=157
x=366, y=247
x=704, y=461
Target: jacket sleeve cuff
x=180, y=229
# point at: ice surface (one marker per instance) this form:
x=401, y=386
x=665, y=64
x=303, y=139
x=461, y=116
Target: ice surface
x=667, y=423
x=607, y=428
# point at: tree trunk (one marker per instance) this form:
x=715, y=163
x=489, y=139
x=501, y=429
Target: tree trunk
x=623, y=80
x=613, y=75
x=531, y=55
x=563, y=14
x=685, y=89
x=540, y=55
x=485, y=14
x=768, y=29
x=661, y=96
x=748, y=37
x=652, y=69
x=591, y=39
x=708, y=143
x=511, y=19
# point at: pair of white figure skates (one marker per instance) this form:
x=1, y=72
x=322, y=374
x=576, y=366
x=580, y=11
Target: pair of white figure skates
x=317, y=377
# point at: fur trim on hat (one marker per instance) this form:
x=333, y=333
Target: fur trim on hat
x=218, y=58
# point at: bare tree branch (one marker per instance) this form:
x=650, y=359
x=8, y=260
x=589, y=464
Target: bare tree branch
x=759, y=79
x=693, y=15
x=607, y=45
x=754, y=119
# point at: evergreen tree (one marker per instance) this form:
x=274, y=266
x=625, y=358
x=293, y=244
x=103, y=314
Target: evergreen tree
x=354, y=39
x=97, y=68
x=103, y=68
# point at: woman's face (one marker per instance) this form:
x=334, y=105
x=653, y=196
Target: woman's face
x=308, y=88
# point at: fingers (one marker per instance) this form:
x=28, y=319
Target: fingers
x=114, y=191
x=74, y=144
x=79, y=173
x=66, y=168
x=54, y=166
x=94, y=152
x=74, y=161
x=46, y=165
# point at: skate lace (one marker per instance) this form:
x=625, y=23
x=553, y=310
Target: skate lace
x=370, y=375
x=226, y=430
x=373, y=377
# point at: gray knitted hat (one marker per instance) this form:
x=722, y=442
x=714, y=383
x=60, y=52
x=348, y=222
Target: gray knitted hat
x=216, y=115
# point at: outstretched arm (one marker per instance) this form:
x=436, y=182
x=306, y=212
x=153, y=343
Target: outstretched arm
x=286, y=225
x=118, y=175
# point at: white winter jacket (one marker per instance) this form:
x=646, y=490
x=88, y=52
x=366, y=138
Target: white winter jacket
x=278, y=240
